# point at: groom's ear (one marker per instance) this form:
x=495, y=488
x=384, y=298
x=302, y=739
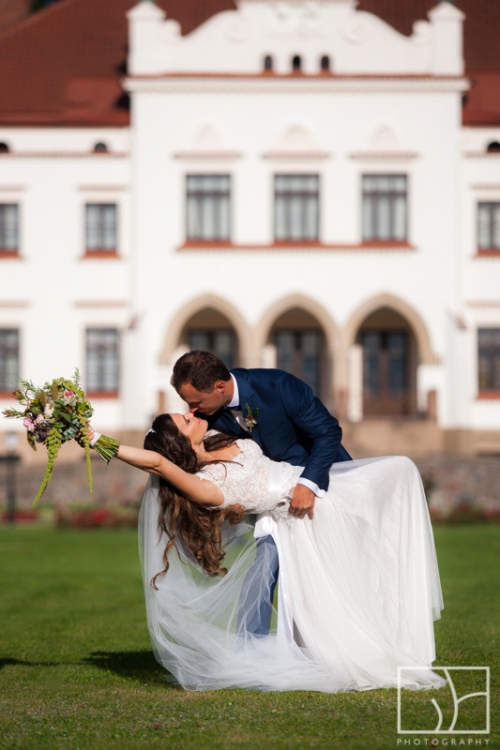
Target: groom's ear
x=220, y=386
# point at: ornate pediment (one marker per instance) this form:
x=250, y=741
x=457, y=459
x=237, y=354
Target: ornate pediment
x=236, y=42
x=296, y=142
x=208, y=143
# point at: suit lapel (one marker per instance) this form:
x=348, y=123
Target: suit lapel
x=247, y=397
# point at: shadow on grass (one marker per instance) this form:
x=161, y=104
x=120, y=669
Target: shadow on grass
x=136, y=665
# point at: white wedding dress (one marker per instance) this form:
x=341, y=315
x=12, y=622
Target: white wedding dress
x=359, y=584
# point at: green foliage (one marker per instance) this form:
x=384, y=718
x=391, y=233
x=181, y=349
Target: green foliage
x=54, y=414
x=78, y=672
x=53, y=442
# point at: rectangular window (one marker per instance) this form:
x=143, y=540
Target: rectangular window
x=9, y=359
x=296, y=208
x=103, y=360
x=9, y=227
x=208, y=207
x=488, y=226
x=489, y=359
x=385, y=208
x=101, y=227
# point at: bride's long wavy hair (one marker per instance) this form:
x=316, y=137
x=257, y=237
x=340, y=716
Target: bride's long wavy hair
x=198, y=527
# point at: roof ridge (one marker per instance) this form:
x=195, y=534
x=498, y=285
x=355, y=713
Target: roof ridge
x=36, y=18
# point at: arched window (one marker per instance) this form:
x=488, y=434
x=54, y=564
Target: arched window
x=268, y=63
x=493, y=147
x=4, y=148
x=100, y=148
x=325, y=63
x=296, y=63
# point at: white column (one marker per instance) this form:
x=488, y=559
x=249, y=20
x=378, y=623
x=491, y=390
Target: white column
x=447, y=26
x=145, y=25
x=268, y=356
x=355, y=383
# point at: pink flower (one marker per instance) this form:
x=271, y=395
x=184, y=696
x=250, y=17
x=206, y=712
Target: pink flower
x=29, y=424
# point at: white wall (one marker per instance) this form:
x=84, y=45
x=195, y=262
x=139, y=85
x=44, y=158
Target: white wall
x=252, y=127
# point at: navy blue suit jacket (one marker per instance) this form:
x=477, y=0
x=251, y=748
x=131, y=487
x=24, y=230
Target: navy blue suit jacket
x=292, y=423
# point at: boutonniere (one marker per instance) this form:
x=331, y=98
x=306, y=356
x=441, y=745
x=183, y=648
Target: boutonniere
x=251, y=417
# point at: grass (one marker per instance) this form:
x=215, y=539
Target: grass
x=77, y=672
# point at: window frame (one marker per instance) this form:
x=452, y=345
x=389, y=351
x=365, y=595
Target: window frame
x=393, y=195
x=101, y=251
x=492, y=391
x=102, y=391
x=9, y=252
x=6, y=392
x=491, y=247
x=287, y=196
x=200, y=196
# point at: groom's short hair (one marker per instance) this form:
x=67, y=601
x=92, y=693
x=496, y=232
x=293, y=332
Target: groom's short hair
x=200, y=369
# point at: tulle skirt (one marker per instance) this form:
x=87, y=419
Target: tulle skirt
x=359, y=590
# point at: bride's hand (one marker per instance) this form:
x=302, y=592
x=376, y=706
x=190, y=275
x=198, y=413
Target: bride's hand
x=93, y=438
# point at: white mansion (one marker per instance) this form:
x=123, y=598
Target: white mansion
x=295, y=187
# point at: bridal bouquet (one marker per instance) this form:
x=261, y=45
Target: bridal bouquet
x=54, y=414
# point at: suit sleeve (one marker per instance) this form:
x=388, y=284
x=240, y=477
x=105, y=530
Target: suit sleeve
x=310, y=416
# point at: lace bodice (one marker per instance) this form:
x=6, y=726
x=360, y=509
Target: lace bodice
x=246, y=480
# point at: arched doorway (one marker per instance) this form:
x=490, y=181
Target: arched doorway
x=212, y=331
x=389, y=364
x=299, y=344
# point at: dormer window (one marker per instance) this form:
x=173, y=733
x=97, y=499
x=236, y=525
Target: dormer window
x=4, y=148
x=101, y=148
x=296, y=63
x=268, y=63
x=325, y=64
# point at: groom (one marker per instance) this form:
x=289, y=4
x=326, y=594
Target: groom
x=283, y=416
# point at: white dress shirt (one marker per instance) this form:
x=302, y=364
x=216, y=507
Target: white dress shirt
x=238, y=415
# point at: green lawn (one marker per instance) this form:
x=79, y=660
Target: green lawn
x=76, y=670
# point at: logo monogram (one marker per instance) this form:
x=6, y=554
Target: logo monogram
x=457, y=711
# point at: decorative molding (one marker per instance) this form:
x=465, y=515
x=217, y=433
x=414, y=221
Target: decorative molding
x=6, y=304
x=384, y=145
x=102, y=188
x=493, y=253
x=485, y=185
x=482, y=155
x=483, y=303
x=220, y=83
x=65, y=155
x=426, y=353
x=296, y=143
x=208, y=144
x=299, y=246
x=12, y=188
x=101, y=303
x=181, y=318
x=384, y=155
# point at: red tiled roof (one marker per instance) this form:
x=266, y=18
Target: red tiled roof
x=63, y=65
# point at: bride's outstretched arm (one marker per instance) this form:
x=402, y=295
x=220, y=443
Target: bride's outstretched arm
x=197, y=490
x=193, y=488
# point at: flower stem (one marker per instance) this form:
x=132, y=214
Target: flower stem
x=107, y=447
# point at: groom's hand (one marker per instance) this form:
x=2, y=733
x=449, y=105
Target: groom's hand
x=302, y=502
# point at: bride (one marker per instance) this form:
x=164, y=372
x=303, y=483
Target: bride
x=359, y=584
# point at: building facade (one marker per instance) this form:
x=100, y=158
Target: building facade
x=295, y=186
